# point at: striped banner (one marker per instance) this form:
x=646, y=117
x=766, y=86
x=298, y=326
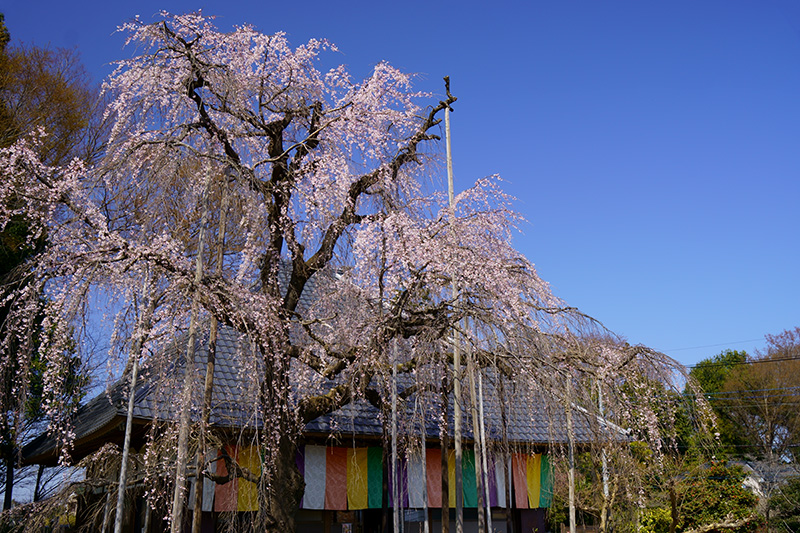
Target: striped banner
x=238, y=494
x=357, y=478
x=533, y=481
x=339, y=478
x=225, y=494
x=433, y=473
x=247, y=499
x=208, y=485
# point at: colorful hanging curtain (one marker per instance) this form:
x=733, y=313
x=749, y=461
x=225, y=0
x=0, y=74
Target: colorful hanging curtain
x=433, y=473
x=247, y=498
x=497, y=482
x=375, y=477
x=532, y=482
x=238, y=494
x=208, y=485
x=358, y=478
x=340, y=478
x=225, y=494
x=314, y=495
x=416, y=480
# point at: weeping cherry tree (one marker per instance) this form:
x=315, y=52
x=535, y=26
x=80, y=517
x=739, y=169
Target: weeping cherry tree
x=319, y=176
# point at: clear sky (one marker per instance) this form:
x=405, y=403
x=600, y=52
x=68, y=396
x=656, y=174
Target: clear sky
x=654, y=147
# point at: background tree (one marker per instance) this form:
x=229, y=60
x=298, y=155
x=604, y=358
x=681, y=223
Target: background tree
x=785, y=506
x=39, y=88
x=755, y=399
x=712, y=374
x=761, y=398
x=49, y=89
x=615, y=479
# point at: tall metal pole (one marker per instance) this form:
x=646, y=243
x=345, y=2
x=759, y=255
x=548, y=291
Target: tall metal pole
x=395, y=487
x=484, y=454
x=456, y=348
x=571, y=456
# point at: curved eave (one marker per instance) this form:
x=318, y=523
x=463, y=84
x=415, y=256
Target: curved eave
x=43, y=450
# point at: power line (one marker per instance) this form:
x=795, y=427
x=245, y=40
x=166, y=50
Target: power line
x=781, y=446
x=707, y=364
x=736, y=391
x=713, y=345
x=749, y=405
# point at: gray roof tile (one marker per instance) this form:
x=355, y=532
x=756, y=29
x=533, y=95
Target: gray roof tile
x=531, y=418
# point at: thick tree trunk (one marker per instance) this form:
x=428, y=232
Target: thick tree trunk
x=283, y=490
x=445, y=438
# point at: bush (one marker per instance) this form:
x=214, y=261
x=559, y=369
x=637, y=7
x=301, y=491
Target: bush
x=716, y=493
x=654, y=520
x=785, y=506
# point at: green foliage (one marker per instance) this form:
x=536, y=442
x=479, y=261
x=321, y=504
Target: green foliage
x=712, y=374
x=655, y=520
x=641, y=451
x=558, y=513
x=785, y=507
x=714, y=494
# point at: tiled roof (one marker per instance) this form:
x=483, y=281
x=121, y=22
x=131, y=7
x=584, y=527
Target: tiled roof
x=530, y=418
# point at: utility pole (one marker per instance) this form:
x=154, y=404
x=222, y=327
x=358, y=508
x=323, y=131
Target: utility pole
x=395, y=477
x=456, y=347
x=571, y=455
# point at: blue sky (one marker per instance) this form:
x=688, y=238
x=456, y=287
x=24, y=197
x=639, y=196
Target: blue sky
x=654, y=147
